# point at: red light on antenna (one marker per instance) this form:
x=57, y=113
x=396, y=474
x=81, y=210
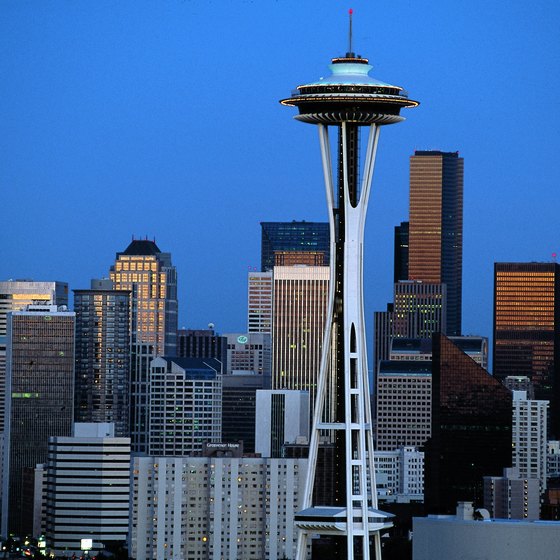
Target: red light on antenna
x=350, y=11
x=554, y=255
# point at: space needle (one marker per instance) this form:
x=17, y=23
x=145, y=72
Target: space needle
x=351, y=101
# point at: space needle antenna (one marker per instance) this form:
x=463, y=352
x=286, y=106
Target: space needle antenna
x=350, y=12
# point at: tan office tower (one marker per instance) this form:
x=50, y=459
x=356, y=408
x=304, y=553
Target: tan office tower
x=436, y=226
x=149, y=275
x=299, y=315
x=259, y=311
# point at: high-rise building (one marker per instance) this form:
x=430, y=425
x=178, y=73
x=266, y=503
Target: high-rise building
x=350, y=101
x=16, y=295
x=418, y=311
x=259, y=308
x=512, y=496
x=471, y=428
x=202, y=343
x=147, y=273
x=404, y=402
x=215, y=508
x=400, y=475
x=239, y=405
x=529, y=443
x=527, y=329
x=282, y=417
x=185, y=405
x=299, y=318
x=249, y=353
x=436, y=226
x=40, y=386
x=102, y=390
x=87, y=489
x=401, y=252
x=299, y=237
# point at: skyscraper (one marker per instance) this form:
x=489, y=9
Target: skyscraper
x=40, y=385
x=527, y=329
x=436, y=226
x=401, y=252
x=185, y=405
x=471, y=429
x=151, y=279
x=299, y=318
x=202, y=343
x=102, y=391
x=259, y=308
x=349, y=99
x=149, y=275
x=16, y=295
x=87, y=490
x=300, y=237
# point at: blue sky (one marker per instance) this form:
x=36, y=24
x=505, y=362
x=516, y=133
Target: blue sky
x=161, y=118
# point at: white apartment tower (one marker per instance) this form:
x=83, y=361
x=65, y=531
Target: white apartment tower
x=214, y=508
x=529, y=445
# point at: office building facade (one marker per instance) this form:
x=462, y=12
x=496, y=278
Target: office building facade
x=471, y=418
x=239, y=405
x=527, y=329
x=404, y=404
x=202, y=343
x=102, y=390
x=299, y=237
x=149, y=276
x=260, y=302
x=282, y=417
x=87, y=489
x=185, y=405
x=300, y=312
x=436, y=226
x=40, y=385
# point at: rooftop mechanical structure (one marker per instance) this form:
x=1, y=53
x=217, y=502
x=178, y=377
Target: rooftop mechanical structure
x=350, y=100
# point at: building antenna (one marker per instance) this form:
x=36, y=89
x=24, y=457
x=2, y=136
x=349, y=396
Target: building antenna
x=350, y=53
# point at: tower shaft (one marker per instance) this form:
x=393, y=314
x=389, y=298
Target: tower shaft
x=353, y=518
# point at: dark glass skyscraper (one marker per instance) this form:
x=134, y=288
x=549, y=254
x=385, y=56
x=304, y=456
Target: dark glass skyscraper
x=436, y=226
x=102, y=389
x=527, y=329
x=401, y=252
x=40, y=386
x=471, y=429
x=300, y=237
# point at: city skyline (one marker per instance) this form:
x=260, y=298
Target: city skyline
x=106, y=138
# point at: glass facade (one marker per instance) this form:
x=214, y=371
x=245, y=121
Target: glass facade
x=40, y=384
x=102, y=389
x=527, y=329
x=436, y=226
x=301, y=237
x=471, y=429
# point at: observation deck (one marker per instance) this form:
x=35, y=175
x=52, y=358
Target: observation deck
x=349, y=94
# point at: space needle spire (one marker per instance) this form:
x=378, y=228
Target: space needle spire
x=349, y=101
